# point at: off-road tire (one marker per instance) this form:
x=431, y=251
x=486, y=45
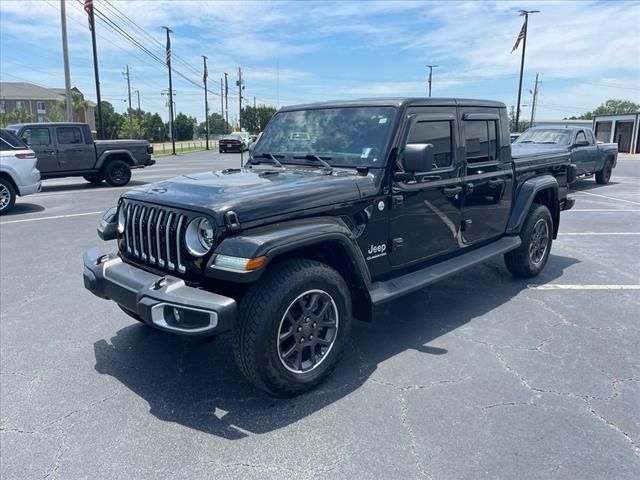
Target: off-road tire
x=117, y=173
x=7, y=196
x=519, y=261
x=604, y=175
x=256, y=342
x=95, y=179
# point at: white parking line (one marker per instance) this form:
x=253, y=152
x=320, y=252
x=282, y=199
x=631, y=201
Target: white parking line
x=50, y=218
x=603, y=210
x=604, y=196
x=583, y=287
x=586, y=234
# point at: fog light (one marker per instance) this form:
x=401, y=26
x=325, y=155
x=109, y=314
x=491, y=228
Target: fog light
x=177, y=315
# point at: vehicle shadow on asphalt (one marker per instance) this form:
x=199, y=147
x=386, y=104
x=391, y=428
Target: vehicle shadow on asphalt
x=23, y=208
x=197, y=384
x=69, y=187
x=588, y=184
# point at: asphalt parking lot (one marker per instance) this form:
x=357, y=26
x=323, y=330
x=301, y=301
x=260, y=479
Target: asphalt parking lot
x=481, y=376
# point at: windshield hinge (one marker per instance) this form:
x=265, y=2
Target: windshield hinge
x=232, y=221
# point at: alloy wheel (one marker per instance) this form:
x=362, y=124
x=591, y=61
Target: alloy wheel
x=539, y=241
x=5, y=197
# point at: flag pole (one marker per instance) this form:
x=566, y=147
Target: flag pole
x=525, y=14
x=88, y=7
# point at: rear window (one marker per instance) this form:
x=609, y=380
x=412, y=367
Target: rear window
x=69, y=135
x=11, y=141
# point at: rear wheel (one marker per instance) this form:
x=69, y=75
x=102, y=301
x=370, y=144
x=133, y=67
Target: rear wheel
x=292, y=327
x=95, y=179
x=7, y=196
x=529, y=259
x=117, y=173
x=603, y=176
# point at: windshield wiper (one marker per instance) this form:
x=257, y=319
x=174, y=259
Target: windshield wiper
x=313, y=156
x=525, y=141
x=554, y=143
x=270, y=156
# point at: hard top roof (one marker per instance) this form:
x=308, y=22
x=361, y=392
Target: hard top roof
x=397, y=102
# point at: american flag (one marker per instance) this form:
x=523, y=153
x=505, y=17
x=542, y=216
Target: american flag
x=168, y=53
x=88, y=7
x=520, y=37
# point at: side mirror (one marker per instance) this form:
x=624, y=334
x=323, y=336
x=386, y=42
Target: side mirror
x=418, y=157
x=581, y=143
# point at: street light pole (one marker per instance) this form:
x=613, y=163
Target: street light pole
x=525, y=14
x=430, y=67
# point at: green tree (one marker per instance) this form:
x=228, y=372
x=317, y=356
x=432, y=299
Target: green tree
x=111, y=119
x=153, y=127
x=125, y=131
x=56, y=112
x=522, y=124
x=19, y=116
x=255, y=119
x=217, y=125
x=184, y=127
x=610, y=107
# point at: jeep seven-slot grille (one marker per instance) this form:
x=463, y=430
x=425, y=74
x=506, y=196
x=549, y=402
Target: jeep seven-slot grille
x=153, y=235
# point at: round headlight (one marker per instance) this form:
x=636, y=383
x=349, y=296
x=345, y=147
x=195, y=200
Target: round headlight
x=199, y=237
x=121, y=219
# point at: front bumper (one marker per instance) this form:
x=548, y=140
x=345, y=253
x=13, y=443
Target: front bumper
x=156, y=299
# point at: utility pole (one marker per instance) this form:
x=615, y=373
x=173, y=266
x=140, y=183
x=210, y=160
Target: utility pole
x=226, y=102
x=65, y=54
x=240, y=88
x=535, y=101
x=429, y=80
x=168, y=62
x=172, y=107
x=222, y=99
x=88, y=7
x=128, y=77
x=206, y=102
x=523, y=35
x=137, y=92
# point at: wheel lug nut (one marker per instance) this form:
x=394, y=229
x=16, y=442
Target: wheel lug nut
x=306, y=320
x=299, y=329
x=310, y=337
x=302, y=340
x=314, y=324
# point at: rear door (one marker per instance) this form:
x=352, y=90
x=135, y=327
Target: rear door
x=426, y=210
x=41, y=142
x=74, y=151
x=488, y=178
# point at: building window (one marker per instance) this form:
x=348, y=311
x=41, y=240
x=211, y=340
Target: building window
x=19, y=105
x=2, y=105
x=42, y=107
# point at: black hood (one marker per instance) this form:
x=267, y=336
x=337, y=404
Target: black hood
x=255, y=193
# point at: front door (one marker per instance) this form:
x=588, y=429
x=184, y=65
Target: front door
x=40, y=141
x=426, y=209
x=74, y=153
x=488, y=181
x=585, y=157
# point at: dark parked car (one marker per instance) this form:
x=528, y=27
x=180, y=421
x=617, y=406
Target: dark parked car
x=233, y=143
x=589, y=156
x=68, y=150
x=386, y=197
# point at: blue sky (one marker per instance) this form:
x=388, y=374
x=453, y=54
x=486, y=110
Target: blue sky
x=585, y=52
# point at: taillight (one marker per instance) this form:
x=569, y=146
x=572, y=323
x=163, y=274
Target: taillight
x=25, y=156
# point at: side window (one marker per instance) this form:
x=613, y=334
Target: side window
x=69, y=135
x=4, y=145
x=37, y=136
x=439, y=135
x=480, y=141
x=581, y=137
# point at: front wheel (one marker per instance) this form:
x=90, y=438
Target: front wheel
x=604, y=175
x=292, y=327
x=7, y=196
x=531, y=256
x=117, y=173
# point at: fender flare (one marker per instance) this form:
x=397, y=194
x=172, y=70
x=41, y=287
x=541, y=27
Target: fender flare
x=105, y=157
x=524, y=199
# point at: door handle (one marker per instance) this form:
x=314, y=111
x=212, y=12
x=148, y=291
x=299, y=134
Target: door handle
x=496, y=183
x=451, y=191
x=468, y=187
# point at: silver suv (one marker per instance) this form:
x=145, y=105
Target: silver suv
x=18, y=172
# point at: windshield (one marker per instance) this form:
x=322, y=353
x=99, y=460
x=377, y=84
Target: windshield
x=347, y=136
x=552, y=135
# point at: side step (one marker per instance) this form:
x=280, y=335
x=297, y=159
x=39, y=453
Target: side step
x=382, y=292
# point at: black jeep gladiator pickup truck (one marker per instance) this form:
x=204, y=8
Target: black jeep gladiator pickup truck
x=342, y=206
